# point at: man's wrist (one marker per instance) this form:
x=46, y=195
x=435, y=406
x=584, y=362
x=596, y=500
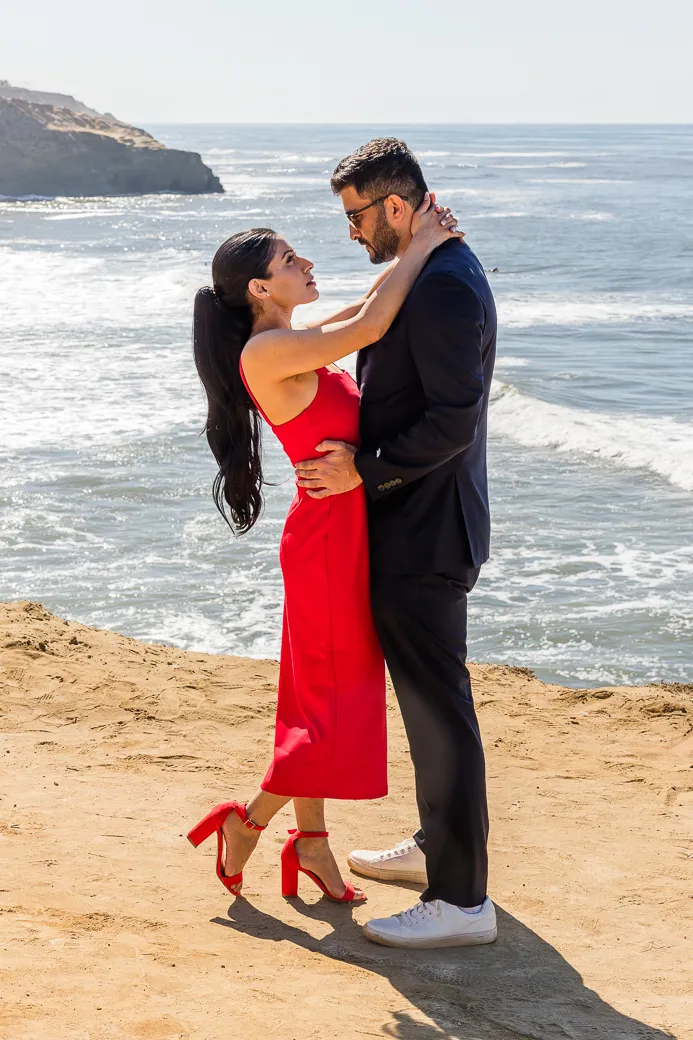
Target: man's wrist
x=363, y=463
x=358, y=455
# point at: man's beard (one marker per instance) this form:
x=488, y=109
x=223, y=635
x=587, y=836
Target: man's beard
x=385, y=243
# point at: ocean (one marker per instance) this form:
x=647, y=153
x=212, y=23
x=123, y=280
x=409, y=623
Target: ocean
x=587, y=234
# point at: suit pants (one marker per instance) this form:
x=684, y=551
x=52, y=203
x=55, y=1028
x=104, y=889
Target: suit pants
x=421, y=621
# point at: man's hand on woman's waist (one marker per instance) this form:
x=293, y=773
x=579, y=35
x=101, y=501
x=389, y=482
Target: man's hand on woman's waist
x=332, y=474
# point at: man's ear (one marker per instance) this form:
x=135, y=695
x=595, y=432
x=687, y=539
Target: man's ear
x=396, y=209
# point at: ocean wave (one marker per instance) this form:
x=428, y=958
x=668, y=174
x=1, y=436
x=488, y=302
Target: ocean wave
x=598, y=216
x=663, y=446
x=456, y=166
x=537, y=166
x=497, y=215
x=98, y=296
x=255, y=188
x=47, y=204
x=524, y=312
x=250, y=162
x=511, y=362
x=514, y=567
x=96, y=394
x=576, y=180
x=517, y=155
x=92, y=293
x=85, y=215
x=250, y=158
x=449, y=190
x=25, y=198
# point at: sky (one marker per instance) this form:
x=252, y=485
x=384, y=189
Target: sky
x=273, y=61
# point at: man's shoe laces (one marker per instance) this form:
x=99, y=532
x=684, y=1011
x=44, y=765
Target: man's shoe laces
x=420, y=912
x=400, y=850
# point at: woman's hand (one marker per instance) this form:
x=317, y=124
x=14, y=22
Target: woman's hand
x=433, y=224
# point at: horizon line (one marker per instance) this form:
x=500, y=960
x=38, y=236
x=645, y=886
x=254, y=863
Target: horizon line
x=266, y=122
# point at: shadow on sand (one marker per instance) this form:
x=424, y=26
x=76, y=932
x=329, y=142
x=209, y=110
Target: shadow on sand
x=518, y=988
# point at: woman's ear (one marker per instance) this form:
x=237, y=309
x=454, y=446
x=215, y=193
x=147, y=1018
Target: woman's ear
x=258, y=290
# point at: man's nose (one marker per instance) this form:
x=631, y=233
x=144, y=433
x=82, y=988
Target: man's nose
x=354, y=235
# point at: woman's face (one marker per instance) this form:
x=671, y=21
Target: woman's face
x=290, y=281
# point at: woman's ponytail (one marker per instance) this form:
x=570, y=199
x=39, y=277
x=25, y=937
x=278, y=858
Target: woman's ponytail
x=222, y=324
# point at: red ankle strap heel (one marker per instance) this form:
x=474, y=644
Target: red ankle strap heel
x=212, y=822
x=291, y=867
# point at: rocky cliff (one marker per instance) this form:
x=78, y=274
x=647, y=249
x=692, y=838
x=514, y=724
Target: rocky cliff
x=51, y=144
x=45, y=97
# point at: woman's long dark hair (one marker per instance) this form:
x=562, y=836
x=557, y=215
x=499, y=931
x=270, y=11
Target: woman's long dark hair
x=222, y=323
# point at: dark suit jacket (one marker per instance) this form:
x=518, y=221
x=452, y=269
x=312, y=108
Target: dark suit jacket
x=424, y=400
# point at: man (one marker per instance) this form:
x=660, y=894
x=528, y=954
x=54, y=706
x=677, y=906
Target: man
x=424, y=400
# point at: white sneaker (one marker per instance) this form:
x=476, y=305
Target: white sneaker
x=406, y=862
x=435, y=924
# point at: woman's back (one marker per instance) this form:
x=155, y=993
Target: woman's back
x=332, y=414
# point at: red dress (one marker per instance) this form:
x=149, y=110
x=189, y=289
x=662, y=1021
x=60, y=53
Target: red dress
x=330, y=738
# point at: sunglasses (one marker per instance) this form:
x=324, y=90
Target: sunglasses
x=353, y=215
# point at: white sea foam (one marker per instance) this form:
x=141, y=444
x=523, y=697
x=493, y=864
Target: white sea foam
x=96, y=394
x=640, y=565
x=80, y=291
x=660, y=446
x=577, y=180
x=511, y=362
x=517, y=155
x=261, y=157
x=84, y=215
x=525, y=311
x=497, y=215
x=450, y=190
x=279, y=161
x=598, y=216
x=537, y=166
x=252, y=187
x=38, y=204
x=104, y=337
x=298, y=157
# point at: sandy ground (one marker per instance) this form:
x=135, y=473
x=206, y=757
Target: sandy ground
x=113, y=926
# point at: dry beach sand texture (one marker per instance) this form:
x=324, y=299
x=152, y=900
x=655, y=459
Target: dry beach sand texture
x=114, y=927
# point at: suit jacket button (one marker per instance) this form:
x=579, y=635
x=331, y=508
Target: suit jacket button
x=399, y=480
x=381, y=487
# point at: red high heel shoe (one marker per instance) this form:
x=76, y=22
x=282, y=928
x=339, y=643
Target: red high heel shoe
x=291, y=866
x=212, y=822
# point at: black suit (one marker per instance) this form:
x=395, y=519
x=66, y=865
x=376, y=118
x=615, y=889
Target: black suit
x=424, y=400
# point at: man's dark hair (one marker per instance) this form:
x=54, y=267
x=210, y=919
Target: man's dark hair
x=384, y=166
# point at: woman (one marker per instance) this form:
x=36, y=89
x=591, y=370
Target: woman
x=330, y=739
